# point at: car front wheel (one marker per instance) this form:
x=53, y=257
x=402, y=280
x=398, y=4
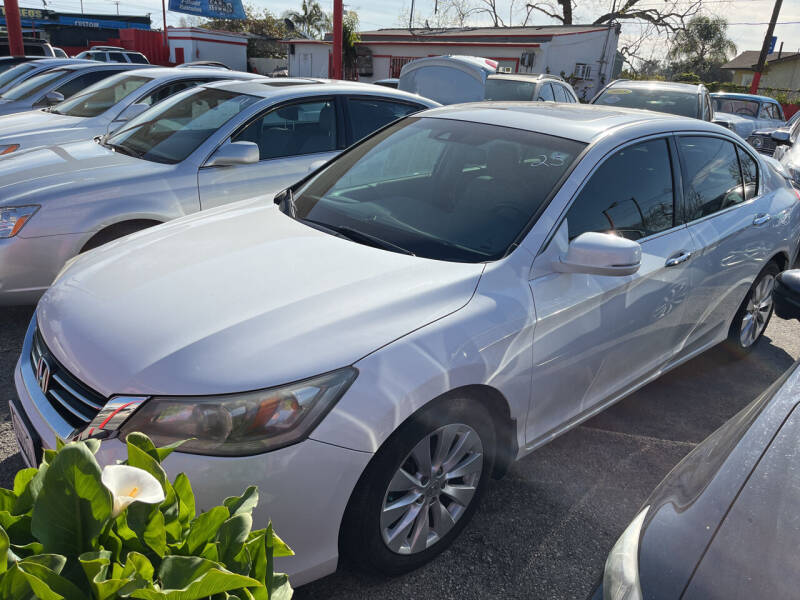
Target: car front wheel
x=421, y=488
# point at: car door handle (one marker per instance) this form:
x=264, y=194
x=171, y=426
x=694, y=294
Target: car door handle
x=678, y=259
x=761, y=219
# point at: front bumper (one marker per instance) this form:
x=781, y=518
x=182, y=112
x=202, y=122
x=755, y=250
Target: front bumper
x=304, y=488
x=29, y=265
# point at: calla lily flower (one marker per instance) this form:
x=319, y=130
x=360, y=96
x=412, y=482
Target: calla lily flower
x=131, y=484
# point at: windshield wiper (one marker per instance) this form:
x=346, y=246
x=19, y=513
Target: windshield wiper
x=122, y=149
x=359, y=236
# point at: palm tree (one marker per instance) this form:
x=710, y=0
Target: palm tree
x=310, y=19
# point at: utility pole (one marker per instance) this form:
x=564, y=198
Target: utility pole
x=762, y=58
x=14, y=27
x=117, y=3
x=338, y=11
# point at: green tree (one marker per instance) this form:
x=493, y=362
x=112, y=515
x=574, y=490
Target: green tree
x=701, y=48
x=261, y=23
x=310, y=20
x=350, y=38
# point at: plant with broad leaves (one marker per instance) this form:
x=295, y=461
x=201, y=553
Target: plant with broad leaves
x=70, y=530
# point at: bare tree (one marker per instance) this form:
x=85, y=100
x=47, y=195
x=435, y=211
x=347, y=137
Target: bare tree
x=670, y=17
x=560, y=10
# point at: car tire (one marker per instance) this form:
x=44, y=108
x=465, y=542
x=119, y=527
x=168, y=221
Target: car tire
x=116, y=231
x=754, y=314
x=377, y=515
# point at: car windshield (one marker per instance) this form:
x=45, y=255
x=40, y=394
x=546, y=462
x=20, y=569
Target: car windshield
x=509, y=89
x=659, y=99
x=174, y=128
x=744, y=108
x=15, y=72
x=438, y=188
x=101, y=96
x=34, y=85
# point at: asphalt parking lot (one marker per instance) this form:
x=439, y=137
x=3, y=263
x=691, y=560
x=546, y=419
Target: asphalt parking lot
x=545, y=529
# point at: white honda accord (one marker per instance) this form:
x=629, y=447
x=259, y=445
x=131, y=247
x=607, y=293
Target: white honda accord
x=438, y=301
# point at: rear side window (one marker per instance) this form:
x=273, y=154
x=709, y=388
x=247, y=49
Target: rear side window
x=750, y=174
x=711, y=176
x=560, y=93
x=368, y=115
x=630, y=194
x=546, y=93
x=83, y=81
x=139, y=59
x=117, y=57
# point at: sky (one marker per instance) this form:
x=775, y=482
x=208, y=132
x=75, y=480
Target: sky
x=747, y=18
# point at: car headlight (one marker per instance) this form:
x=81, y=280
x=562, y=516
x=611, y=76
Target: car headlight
x=241, y=424
x=8, y=148
x=621, y=576
x=13, y=218
x=756, y=141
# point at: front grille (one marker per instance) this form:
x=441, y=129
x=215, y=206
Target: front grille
x=75, y=402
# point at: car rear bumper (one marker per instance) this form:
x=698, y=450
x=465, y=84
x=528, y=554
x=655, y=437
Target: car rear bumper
x=303, y=488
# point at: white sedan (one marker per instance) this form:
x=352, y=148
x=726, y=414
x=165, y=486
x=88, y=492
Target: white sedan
x=441, y=299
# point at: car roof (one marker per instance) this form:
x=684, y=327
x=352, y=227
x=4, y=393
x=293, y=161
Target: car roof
x=735, y=96
x=281, y=87
x=526, y=77
x=157, y=72
x=101, y=66
x=666, y=85
x=581, y=122
x=60, y=62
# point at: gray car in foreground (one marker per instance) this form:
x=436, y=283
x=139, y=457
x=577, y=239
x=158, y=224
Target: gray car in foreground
x=201, y=148
x=54, y=85
x=103, y=107
x=723, y=523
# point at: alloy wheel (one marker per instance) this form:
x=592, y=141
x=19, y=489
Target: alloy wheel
x=432, y=489
x=757, y=311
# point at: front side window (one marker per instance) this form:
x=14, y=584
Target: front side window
x=31, y=87
x=370, y=114
x=168, y=90
x=101, y=96
x=80, y=83
x=440, y=189
x=293, y=129
x=15, y=72
x=630, y=194
x=173, y=129
x=652, y=98
x=546, y=93
x=711, y=177
x=510, y=90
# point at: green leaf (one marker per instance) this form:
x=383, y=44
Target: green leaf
x=165, y=451
x=4, y=546
x=279, y=547
x=96, y=566
x=193, y=578
x=52, y=580
x=148, y=523
x=73, y=505
x=7, y=500
x=204, y=528
x=244, y=503
x=54, y=562
x=18, y=527
x=93, y=445
x=24, y=490
x=232, y=535
x=183, y=489
x=25, y=550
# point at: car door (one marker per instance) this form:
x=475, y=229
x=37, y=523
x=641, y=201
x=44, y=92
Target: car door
x=729, y=222
x=292, y=138
x=597, y=336
x=366, y=114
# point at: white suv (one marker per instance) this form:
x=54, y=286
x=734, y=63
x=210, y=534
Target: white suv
x=113, y=54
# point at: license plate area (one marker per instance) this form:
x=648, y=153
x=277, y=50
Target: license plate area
x=27, y=440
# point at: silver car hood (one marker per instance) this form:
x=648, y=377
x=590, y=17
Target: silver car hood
x=53, y=173
x=237, y=298
x=37, y=125
x=9, y=107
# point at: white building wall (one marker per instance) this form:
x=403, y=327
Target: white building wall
x=198, y=44
x=309, y=60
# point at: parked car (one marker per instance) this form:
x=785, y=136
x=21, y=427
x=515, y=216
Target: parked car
x=6, y=62
x=25, y=70
x=762, y=140
x=391, y=82
x=684, y=99
x=787, y=150
x=60, y=53
x=523, y=87
x=55, y=85
x=203, y=147
x=102, y=107
x=444, y=297
x=744, y=113
x=113, y=54
x=205, y=64
x=32, y=47
x=723, y=523
x=447, y=79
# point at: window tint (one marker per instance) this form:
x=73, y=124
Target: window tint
x=560, y=93
x=139, y=59
x=546, y=92
x=70, y=88
x=630, y=194
x=750, y=172
x=101, y=96
x=165, y=91
x=711, y=176
x=117, y=57
x=368, y=115
x=293, y=129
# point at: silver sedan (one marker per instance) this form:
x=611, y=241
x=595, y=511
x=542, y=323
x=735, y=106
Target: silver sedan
x=201, y=148
x=102, y=107
x=25, y=70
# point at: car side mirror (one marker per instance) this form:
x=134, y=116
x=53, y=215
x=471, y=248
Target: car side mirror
x=234, y=153
x=781, y=136
x=51, y=98
x=600, y=254
x=786, y=294
x=134, y=110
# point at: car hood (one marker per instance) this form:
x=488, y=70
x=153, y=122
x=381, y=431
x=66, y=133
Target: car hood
x=21, y=128
x=741, y=125
x=9, y=107
x=236, y=299
x=54, y=173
